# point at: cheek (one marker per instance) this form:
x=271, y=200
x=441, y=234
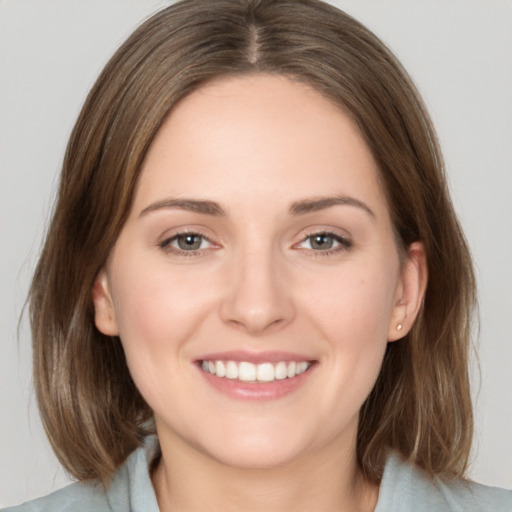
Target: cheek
x=353, y=316
x=354, y=305
x=157, y=313
x=156, y=306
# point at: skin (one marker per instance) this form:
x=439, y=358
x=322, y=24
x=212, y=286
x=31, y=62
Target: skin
x=256, y=145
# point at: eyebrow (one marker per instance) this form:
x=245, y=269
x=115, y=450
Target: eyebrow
x=191, y=205
x=297, y=208
x=322, y=203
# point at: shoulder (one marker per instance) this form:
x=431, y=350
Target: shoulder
x=130, y=490
x=78, y=497
x=406, y=487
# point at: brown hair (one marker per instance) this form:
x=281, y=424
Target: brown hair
x=92, y=412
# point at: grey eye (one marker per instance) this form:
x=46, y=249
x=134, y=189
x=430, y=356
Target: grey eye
x=321, y=241
x=185, y=242
x=189, y=242
x=324, y=242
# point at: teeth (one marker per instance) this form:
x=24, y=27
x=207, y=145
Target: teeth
x=220, y=369
x=301, y=367
x=281, y=370
x=246, y=372
x=249, y=372
x=231, y=370
x=265, y=372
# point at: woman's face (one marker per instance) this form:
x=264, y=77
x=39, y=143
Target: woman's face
x=256, y=282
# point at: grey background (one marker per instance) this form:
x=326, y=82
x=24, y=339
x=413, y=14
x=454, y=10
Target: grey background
x=460, y=55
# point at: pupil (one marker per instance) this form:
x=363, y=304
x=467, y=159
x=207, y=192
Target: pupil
x=322, y=242
x=188, y=242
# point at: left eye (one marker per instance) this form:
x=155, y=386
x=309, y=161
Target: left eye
x=324, y=242
x=187, y=242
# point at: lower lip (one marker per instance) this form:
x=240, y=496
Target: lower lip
x=256, y=390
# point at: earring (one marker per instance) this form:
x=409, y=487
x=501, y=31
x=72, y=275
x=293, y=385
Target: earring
x=399, y=327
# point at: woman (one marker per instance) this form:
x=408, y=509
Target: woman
x=266, y=272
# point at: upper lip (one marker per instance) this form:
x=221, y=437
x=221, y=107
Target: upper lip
x=254, y=357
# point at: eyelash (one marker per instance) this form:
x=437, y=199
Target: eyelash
x=167, y=247
x=344, y=243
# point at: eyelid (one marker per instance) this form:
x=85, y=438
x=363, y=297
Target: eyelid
x=165, y=242
x=345, y=242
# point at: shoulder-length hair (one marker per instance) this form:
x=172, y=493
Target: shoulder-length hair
x=92, y=412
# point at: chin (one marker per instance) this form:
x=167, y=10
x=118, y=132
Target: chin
x=255, y=457
x=258, y=449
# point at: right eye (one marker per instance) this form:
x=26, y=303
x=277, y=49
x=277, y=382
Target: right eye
x=186, y=243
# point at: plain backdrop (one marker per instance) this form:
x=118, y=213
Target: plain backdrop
x=459, y=52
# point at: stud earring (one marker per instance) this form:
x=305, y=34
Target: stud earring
x=399, y=327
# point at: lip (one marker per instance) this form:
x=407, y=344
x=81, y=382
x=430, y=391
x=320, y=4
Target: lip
x=254, y=357
x=239, y=390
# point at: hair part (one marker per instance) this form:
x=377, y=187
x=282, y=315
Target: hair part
x=92, y=412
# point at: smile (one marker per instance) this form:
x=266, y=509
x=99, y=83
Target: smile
x=245, y=371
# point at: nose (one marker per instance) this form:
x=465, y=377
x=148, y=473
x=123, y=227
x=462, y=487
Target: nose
x=258, y=297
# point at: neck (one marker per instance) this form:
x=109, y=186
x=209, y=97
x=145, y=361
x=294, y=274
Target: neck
x=188, y=480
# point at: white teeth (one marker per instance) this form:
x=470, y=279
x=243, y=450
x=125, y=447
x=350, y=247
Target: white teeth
x=301, y=367
x=231, y=370
x=246, y=372
x=266, y=372
x=220, y=369
x=281, y=370
x=249, y=372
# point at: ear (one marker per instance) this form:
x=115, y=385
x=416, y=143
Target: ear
x=410, y=292
x=104, y=313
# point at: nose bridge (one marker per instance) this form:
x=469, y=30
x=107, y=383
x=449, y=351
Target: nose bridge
x=257, y=297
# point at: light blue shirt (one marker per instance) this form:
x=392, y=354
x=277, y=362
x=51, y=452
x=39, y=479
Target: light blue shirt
x=404, y=488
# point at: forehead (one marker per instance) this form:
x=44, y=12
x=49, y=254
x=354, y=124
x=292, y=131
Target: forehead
x=257, y=133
